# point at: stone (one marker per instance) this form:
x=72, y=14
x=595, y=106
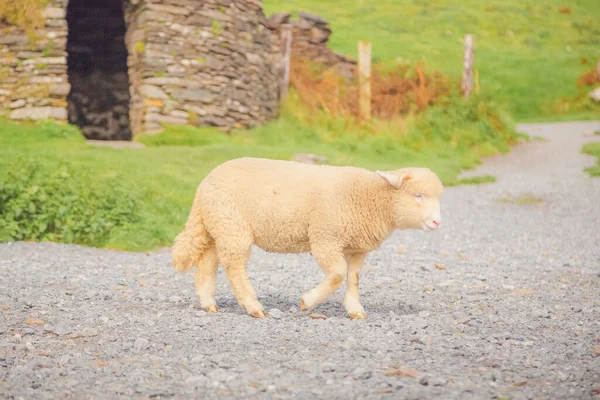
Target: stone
x=155, y=117
x=89, y=332
x=13, y=39
x=179, y=114
x=362, y=373
x=215, y=121
x=37, y=113
x=276, y=313
x=116, y=144
x=419, y=323
x=253, y=58
x=169, y=80
x=17, y=103
x=312, y=18
x=199, y=20
x=60, y=89
x=153, y=92
x=203, y=96
x=309, y=158
x=318, y=36
x=62, y=330
x=168, y=9
x=46, y=60
x=54, y=12
x=141, y=344
x=277, y=19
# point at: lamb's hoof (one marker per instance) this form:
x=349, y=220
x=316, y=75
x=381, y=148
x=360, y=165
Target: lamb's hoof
x=302, y=305
x=358, y=315
x=258, y=314
x=211, y=308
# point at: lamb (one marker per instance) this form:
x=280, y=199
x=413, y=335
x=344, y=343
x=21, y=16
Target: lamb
x=336, y=213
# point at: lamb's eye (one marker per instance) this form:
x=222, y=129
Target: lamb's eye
x=419, y=196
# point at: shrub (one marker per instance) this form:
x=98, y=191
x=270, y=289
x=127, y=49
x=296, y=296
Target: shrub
x=63, y=204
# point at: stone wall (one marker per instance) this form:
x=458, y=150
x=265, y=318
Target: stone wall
x=310, y=34
x=33, y=73
x=123, y=67
x=209, y=62
x=202, y=63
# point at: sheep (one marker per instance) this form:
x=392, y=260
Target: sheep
x=338, y=214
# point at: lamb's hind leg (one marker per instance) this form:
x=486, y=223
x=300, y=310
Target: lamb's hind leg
x=334, y=265
x=206, y=279
x=234, y=258
x=351, y=302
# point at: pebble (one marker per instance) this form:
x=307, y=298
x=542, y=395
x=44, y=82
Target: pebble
x=419, y=323
x=62, y=330
x=141, y=344
x=362, y=373
x=275, y=313
x=89, y=332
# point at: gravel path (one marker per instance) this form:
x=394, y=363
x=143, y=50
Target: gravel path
x=515, y=313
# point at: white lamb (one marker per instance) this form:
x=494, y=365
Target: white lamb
x=338, y=214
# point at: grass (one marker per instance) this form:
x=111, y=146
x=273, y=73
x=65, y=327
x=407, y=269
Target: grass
x=163, y=176
x=528, y=54
x=594, y=150
x=26, y=14
x=521, y=200
x=476, y=180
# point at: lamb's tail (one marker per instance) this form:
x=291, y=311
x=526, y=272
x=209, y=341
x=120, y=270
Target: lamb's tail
x=191, y=242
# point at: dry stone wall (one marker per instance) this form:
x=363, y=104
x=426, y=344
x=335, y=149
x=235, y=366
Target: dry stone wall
x=203, y=63
x=209, y=62
x=121, y=67
x=310, y=34
x=33, y=73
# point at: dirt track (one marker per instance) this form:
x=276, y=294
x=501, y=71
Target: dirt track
x=514, y=314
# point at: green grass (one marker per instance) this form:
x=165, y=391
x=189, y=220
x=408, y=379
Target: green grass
x=163, y=176
x=521, y=200
x=594, y=150
x=528, y=55
x=475, y=180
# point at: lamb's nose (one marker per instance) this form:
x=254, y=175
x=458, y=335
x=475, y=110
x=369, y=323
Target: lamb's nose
x=436, y=222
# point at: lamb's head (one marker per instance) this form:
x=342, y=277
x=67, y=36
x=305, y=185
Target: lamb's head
x=415, y=194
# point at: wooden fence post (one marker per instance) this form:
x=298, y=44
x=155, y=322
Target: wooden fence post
x=467, y=78
x=364, y=79
x=286, y=51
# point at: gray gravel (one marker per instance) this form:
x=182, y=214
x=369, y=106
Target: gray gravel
x=515, y=313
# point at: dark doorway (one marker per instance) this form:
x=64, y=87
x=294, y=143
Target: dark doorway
x=98, y=102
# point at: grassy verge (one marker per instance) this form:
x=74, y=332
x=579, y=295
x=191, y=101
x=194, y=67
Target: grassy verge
x=161, y=178
x=594, y=150
x=529, y=54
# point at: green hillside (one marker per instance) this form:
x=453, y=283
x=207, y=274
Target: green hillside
x=528, y=53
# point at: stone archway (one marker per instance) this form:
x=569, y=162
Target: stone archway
x=99, y=99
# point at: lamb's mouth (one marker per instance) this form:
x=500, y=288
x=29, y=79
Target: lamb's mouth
x=426, y=227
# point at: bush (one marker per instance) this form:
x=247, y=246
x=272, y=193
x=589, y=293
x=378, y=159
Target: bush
x=63, y=205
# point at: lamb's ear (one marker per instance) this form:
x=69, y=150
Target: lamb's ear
x=394, y=180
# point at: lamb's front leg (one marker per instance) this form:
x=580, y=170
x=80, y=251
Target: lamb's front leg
x=353, y=307
x=332, y=261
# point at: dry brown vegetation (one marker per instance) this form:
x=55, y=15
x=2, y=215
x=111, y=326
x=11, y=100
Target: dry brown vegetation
x=395, y=92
